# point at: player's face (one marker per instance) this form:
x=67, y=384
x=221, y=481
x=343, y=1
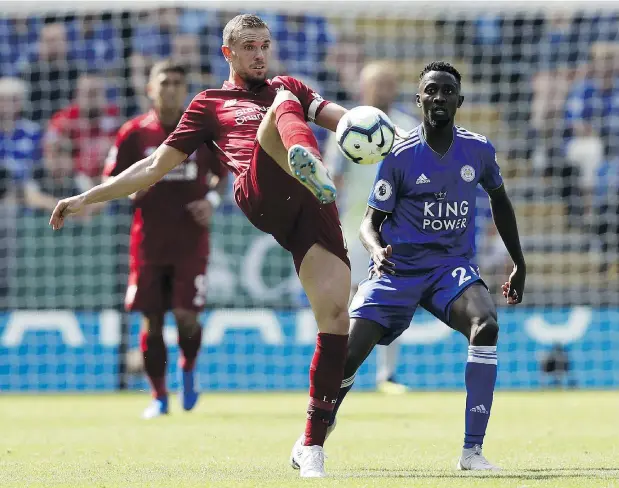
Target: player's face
x=439, y=98
x=90, y=95
x=380, y=91
x=168, y=91
x=10, y=106
x=249, y=55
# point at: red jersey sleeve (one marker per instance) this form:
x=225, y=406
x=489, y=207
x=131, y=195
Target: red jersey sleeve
x=197, y=126
x=123, y=153
x=311, y=101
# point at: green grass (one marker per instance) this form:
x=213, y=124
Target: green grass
x=559, y=439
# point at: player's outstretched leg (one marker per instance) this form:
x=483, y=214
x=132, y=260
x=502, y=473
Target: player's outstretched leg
x=155, y=364
x=189, y=341
x=326, y=281
x=286, y=137
x=474, y=314
x=364, y=335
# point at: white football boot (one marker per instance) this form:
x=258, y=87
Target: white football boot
x=311, y=173
x=473, y=460
x=156, y=408
x=297, y=449
x=311, y=461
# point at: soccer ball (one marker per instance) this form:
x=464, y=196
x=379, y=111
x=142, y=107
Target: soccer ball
x=365, y=135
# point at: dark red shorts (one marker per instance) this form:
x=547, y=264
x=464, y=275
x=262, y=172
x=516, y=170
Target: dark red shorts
x=157, y=288
x=277, y=204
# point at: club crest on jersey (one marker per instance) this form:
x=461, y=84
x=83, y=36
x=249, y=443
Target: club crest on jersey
x=230, y=103
x=382, y=190
x=440, y=195
x=468, y=173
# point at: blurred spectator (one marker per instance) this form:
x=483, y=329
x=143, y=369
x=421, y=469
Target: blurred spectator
x=53, y=180
x=379, y=87
x=186, y=50
x=17, y=38
x=49, y=73
x=301, y=41
x=340, y=74
x=89, y=124
x=19, y=152
x=557, y=47
x=555, y=365
x=592, y=113
x=606, y=207
x=95, y=44
x=20, y=138
x=545, y=141
x=139, y=67
x=8, y=240
x=153, y=32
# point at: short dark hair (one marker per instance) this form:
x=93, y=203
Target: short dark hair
x=167, y=66
x=441, y=66
x=243, y=21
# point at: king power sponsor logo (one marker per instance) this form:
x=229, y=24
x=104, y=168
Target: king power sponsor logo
x=441, y=215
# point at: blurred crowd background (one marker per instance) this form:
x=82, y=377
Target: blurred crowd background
x=544, y=87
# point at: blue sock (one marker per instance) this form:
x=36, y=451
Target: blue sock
x=480, y=378
x=345, y=388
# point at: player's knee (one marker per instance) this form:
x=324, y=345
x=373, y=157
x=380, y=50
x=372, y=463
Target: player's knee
x=283, y=96
x=334, y=321
x=153, y=324
x=485, y=332
x=186, y=321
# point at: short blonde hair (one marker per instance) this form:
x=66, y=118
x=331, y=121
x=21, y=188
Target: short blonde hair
x=240, y=22
x=13, y=86
x=377, y=67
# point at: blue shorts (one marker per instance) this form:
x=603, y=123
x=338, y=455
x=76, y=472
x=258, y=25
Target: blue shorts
x=391, y=301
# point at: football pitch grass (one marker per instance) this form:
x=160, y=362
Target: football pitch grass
x=541, y=439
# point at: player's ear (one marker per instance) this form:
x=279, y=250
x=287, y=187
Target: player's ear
x=149, y=90
x=460, y=101
x=418, y=100
x=225, y=50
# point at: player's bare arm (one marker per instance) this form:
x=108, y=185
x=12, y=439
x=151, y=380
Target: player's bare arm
x=505, y=221
x=330, y=115
x=137, y=177
x=369, y=233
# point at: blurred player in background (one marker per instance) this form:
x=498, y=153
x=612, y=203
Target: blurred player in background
x=378, y=88
x=259, y=129
x=169, y=242
x=419, y=230
x=88, y=124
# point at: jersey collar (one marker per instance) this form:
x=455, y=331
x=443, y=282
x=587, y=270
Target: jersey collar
x=232, y=86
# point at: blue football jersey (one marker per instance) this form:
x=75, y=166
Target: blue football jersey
x=431, y=199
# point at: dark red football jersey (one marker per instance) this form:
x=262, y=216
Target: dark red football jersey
x=163, y=230
x=228, y=119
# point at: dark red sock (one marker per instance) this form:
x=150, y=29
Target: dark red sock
x=326, y=373
x=292, y=127
x=189, y=346
x=155, y=361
